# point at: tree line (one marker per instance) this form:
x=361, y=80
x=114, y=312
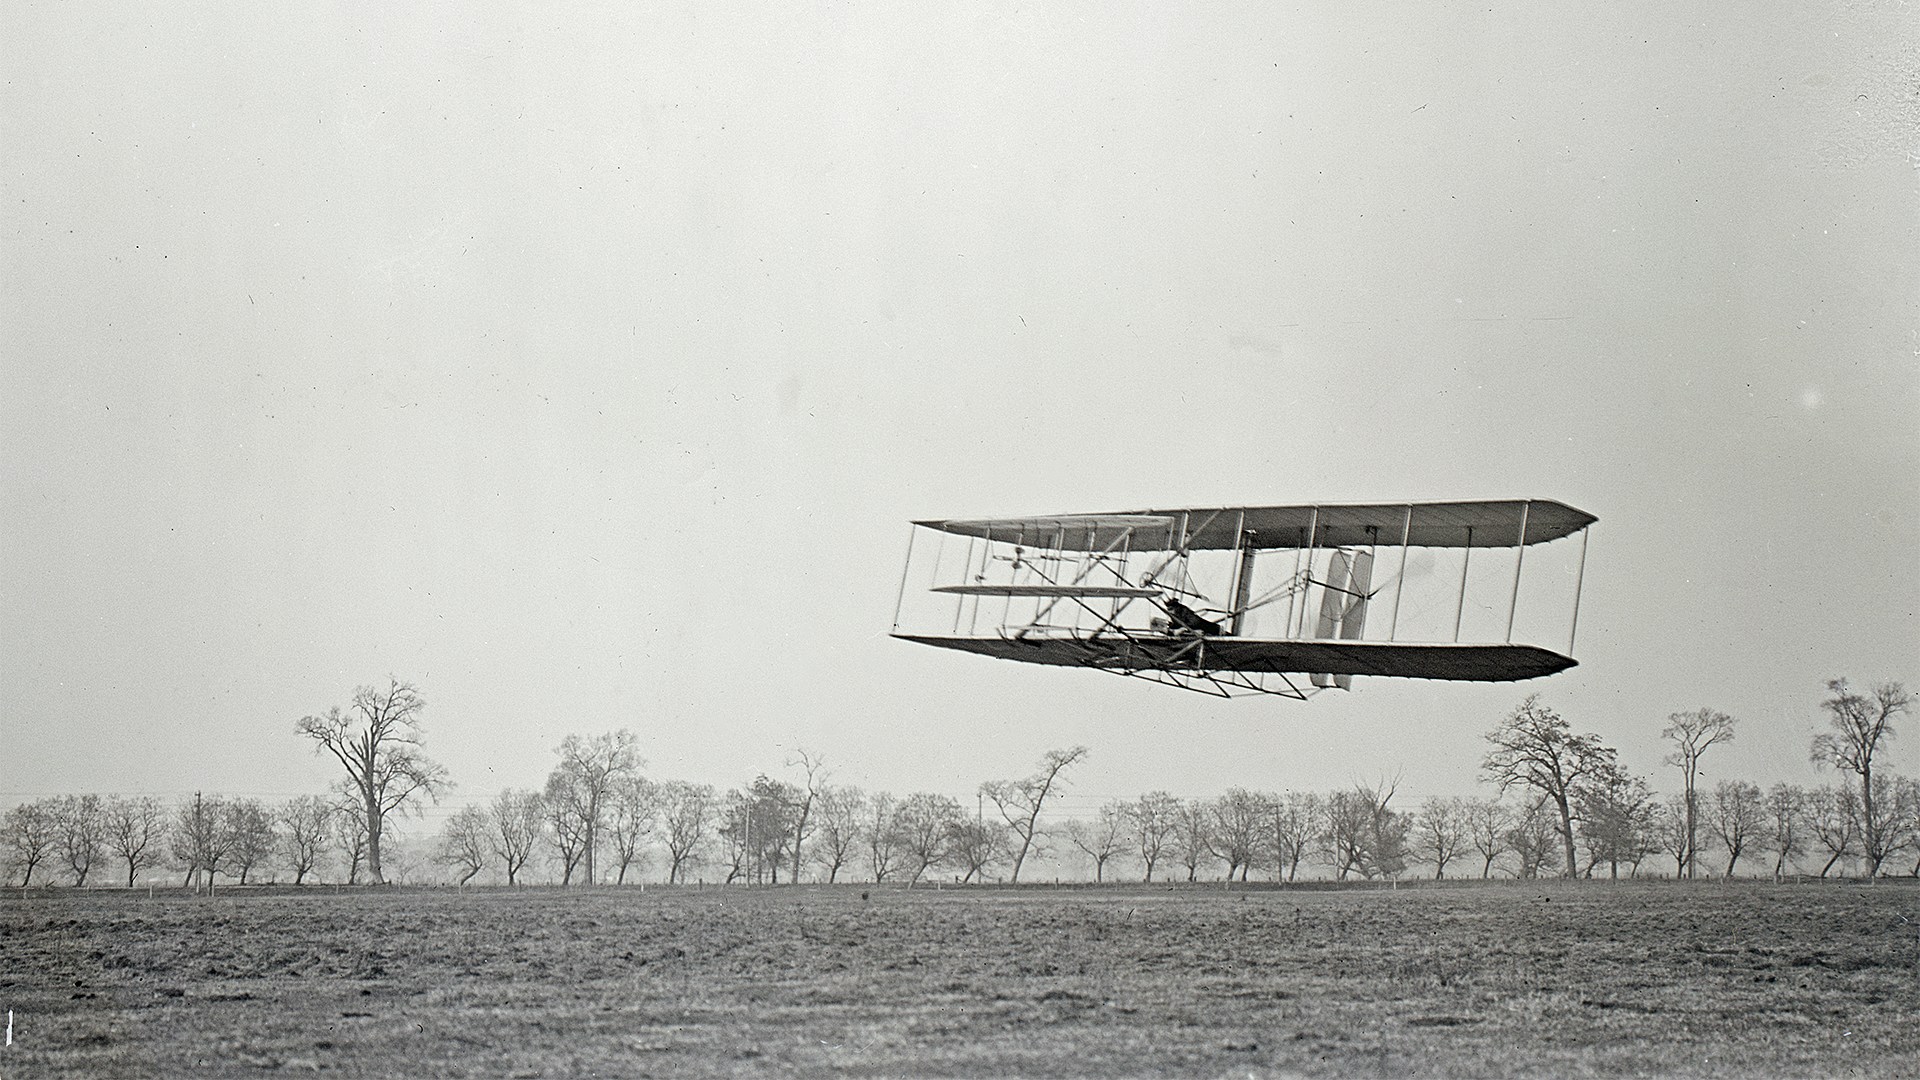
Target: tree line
x=1565, y=806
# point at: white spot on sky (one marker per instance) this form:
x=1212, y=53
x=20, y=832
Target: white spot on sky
x=1812, y=398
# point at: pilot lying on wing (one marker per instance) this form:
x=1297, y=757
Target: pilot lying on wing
x=1188, y=621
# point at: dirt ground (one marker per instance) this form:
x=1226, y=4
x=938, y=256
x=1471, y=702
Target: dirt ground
x=1503, y=979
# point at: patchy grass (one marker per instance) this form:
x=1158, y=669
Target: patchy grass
x=1477, y=980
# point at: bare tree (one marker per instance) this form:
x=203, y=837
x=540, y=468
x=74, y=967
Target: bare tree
x=925, y=822
x=1020, y=801
x=975, y=846
x=1238, y=828
x=581, y=789
x=1786, y=825
x=1363, y=833
x=1440, y=832
x=1155, y=817
x=565, y=828
x=840, y=809
x=31, y=834
x=306, y=834
x=1534, y=748
x=1861, y=723
x=882, y=834
x=1193, y=836
x=82, y=824
x=464, y=842
x=1616, y=812
x=1908, y=799
x=734, y=827
x=757, y=824
x=1737, y=814
x=808, y=794
x=516, y=823
x=686, y=812
x=1488, y=823
x=202, y=837
x=1693, y=734
x=632, y=821
x=1670, y=832
x=350, y=833
x=1531, y=839
x=253, y=836
x=1834, y=816
x=376, y=740
x=1897, y=800
x=1102, y=838
x=1293, y=820
x=135, y=829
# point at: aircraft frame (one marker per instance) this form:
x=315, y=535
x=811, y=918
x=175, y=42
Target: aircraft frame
x=1126, y=592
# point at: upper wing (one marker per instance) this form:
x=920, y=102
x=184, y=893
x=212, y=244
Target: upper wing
x=1483, y=523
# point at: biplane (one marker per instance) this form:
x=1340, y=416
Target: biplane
x=1284, y=600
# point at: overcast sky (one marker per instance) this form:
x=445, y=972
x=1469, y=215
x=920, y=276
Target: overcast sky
x=584, y=364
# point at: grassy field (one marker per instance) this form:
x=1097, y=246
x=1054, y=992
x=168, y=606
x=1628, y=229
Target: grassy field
x=1481, y=980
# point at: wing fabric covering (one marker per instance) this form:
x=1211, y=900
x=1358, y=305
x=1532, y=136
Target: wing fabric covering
x=1113, y=652
x=1483, y=523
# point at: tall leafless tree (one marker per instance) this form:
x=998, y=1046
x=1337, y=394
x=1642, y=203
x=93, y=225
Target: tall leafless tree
x=566, y=830
x=1833, y=813
x=1531, y=838
x=516, y=823
x=1786, y=825
x=1907, y=801
x=1102, y=838
x=631, y=822
x=350, y=832
x=881, y=832
x=306, y=834
x=30, y=835
x=1897, y=800
x=201, y=839
x=136, y=828
x=254, y=836
x=581, y=788
x=814, y=772
x=925, y=823
x=1020, y=802
x=840, y=809
x=1488, y=822
x=1238, y=829
x=1154, y=818
x=1364, y=834
x=1193, y=836
x=463, y=843
x=1737, y=814
x=1292, y=821
x=376, y=740
x=1616, y=812
x=1534, y=748
x=1670, y=832
x=82, y=824
x=1440, y=832
x=975, y=846
x=686, y=813
x=1693, y=734
x=1860, y=724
